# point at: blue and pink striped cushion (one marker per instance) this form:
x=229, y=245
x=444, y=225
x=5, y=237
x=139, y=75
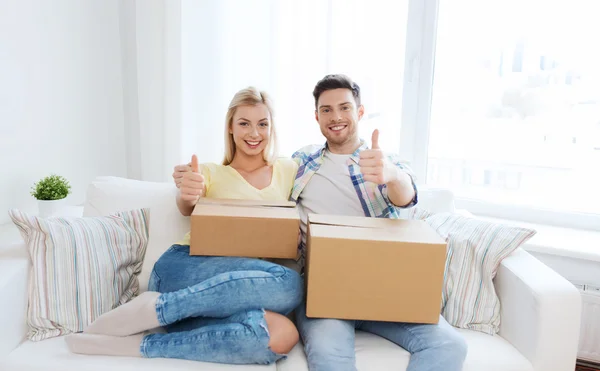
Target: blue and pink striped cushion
x=475, y=250
x=81, y=267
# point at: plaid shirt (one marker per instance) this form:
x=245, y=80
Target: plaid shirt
x=373, y=197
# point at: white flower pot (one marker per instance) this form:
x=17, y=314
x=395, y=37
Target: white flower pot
x=48, y=208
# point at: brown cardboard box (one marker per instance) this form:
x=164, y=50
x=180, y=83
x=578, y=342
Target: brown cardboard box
x=261, y=229
x=374, y=269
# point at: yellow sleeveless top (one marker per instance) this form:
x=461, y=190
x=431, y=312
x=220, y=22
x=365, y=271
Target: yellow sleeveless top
x=225, y=182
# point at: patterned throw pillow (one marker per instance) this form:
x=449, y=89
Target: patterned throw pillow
x=81, y=267
x=475, y=250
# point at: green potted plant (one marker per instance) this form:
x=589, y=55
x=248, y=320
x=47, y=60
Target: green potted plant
x=51, y=192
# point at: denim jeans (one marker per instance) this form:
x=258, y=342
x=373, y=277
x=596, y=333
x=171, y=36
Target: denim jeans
x=329, y=343
x=213, y=307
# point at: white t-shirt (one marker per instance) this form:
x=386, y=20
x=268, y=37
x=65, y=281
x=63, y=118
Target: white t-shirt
x=329, y=191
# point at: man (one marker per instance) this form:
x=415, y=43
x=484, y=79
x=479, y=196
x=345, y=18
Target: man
x=345, y=177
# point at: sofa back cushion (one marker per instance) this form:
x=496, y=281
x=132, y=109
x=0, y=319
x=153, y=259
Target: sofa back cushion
x=108, y=195
x=436, y=200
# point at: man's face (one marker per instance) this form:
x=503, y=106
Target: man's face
x=338, y=117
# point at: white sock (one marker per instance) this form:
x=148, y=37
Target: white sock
x=126, y=346
x=130, y=318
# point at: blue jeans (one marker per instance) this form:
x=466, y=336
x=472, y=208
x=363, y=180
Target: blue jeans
x=329, y=343
x=213, y=307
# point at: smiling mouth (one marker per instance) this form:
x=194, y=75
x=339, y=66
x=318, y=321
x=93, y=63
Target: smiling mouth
x=336, y=128
x=253, y=143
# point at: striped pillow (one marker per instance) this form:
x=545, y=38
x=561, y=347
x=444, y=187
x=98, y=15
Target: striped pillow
x=475, y=250
x=81, y=267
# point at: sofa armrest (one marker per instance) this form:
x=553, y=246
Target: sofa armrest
x=540, y=312
x=14, y=277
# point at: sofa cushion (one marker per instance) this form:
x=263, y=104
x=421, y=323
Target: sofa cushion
x=475, y=250
x=53, y=355
x=436, y=200
x=14, y=275
x=81, y=267
x=374, y=353
x=107, y=195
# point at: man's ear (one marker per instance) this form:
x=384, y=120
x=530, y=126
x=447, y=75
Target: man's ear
x=317, y=115
x=361, y=112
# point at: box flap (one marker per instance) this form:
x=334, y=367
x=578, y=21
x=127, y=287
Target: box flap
x=245, y=211
x=253, y=203
x=355, y=221
x=365, y=228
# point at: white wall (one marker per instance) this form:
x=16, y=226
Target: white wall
x=61, y=101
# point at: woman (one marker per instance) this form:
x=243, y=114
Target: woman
x=214, y=309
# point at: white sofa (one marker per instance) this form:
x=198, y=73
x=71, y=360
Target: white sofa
x=540, y=309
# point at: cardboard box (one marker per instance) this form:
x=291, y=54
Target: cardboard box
x=260, y=229
x=374, y=269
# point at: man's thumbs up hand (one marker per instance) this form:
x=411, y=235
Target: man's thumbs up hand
x=374, y=165
x=375, y=139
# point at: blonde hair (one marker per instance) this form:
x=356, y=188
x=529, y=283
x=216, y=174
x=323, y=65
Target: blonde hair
x=250, y=96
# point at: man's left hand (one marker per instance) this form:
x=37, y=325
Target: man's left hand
x=375, y=165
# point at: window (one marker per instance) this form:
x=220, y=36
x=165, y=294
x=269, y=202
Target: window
x=284, y=47
x=497, y=100
x=314, y=38
x=515, y=105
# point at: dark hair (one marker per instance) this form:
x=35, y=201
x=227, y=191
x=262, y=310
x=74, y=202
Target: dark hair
x=337, y=81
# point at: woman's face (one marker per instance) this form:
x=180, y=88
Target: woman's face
x=251, y=129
